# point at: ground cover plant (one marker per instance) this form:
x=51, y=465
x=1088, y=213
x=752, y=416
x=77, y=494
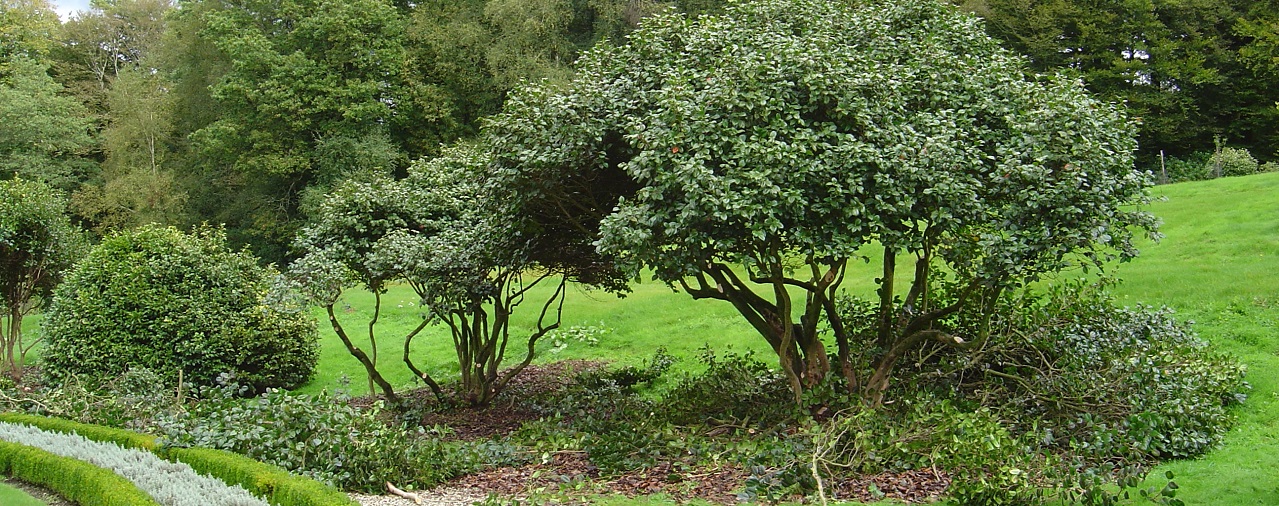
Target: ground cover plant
x=73, y=479
x=321, y=436
x=263, y=480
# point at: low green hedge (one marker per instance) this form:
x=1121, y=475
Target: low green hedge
x=74, y=480
x=121, y=437
x=274, y=484
x=263, y=480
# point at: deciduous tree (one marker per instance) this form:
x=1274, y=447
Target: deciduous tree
x=27, y=29
x=97, y=45
x=45, y=132
x=300, y=71
x=138, y=186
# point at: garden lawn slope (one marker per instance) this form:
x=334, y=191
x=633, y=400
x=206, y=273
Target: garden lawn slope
x=1218, y=265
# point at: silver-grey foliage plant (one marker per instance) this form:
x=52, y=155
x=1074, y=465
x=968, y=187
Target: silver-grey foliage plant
x=169, y=483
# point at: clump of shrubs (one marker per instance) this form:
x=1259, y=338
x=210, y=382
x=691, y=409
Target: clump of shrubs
x=321, y=436
x=1201, y=165
x=1092, y=378
x=1228, y=162
x=1192, y=167
x=175, y=303
x=1071, y=375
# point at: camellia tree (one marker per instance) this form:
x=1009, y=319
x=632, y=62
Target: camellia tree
x=37, y=243
x=751, y=156
x=439, y=232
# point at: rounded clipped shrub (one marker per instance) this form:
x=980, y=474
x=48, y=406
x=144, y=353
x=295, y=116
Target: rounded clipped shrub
x=170, y=301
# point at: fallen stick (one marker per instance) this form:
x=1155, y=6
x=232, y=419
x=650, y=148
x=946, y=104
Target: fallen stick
x=407, y=495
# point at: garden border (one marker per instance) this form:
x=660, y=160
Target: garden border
x=267, y=481
x=75, y=480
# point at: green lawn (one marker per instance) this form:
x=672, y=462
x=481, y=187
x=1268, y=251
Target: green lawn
x=1219, y=266
x=11, y=496
x=649, y=317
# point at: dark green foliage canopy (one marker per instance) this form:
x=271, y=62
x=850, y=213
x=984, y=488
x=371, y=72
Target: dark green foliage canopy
x=45, y=133
x=38, y=243
x=166, y=300
x=787, y=136
x=36, y=237
x=1190, y=69
x=298, y=76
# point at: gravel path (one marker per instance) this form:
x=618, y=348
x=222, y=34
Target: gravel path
x=440, y=496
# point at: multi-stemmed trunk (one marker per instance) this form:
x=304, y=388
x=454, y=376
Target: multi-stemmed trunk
x=18, y=297
x=481, y=332
x=369, y=362
x=767, y=302
x=798, y=345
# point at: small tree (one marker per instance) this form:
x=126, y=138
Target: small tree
x=442, y=232
x=750, y=157
x=347, y=244
x=37, y=243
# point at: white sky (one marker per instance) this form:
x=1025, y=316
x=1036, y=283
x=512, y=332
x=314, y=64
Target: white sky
x=66, y=7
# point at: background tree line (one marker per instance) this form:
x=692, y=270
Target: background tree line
x=246, y=112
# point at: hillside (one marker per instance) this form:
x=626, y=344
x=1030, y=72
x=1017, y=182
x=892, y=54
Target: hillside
x=1217, y=265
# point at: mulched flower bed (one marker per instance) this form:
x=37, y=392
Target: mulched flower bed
x=573, y=472
x=505, y=415
x=716, y=485
x=567, y=469
x=914, y=487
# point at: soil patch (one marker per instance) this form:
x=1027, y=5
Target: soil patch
x=508, y=412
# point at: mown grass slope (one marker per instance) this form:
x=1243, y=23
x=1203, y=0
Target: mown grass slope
x=1218, y=265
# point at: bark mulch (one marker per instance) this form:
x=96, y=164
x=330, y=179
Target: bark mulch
x=573, y=472
x=569, y=473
